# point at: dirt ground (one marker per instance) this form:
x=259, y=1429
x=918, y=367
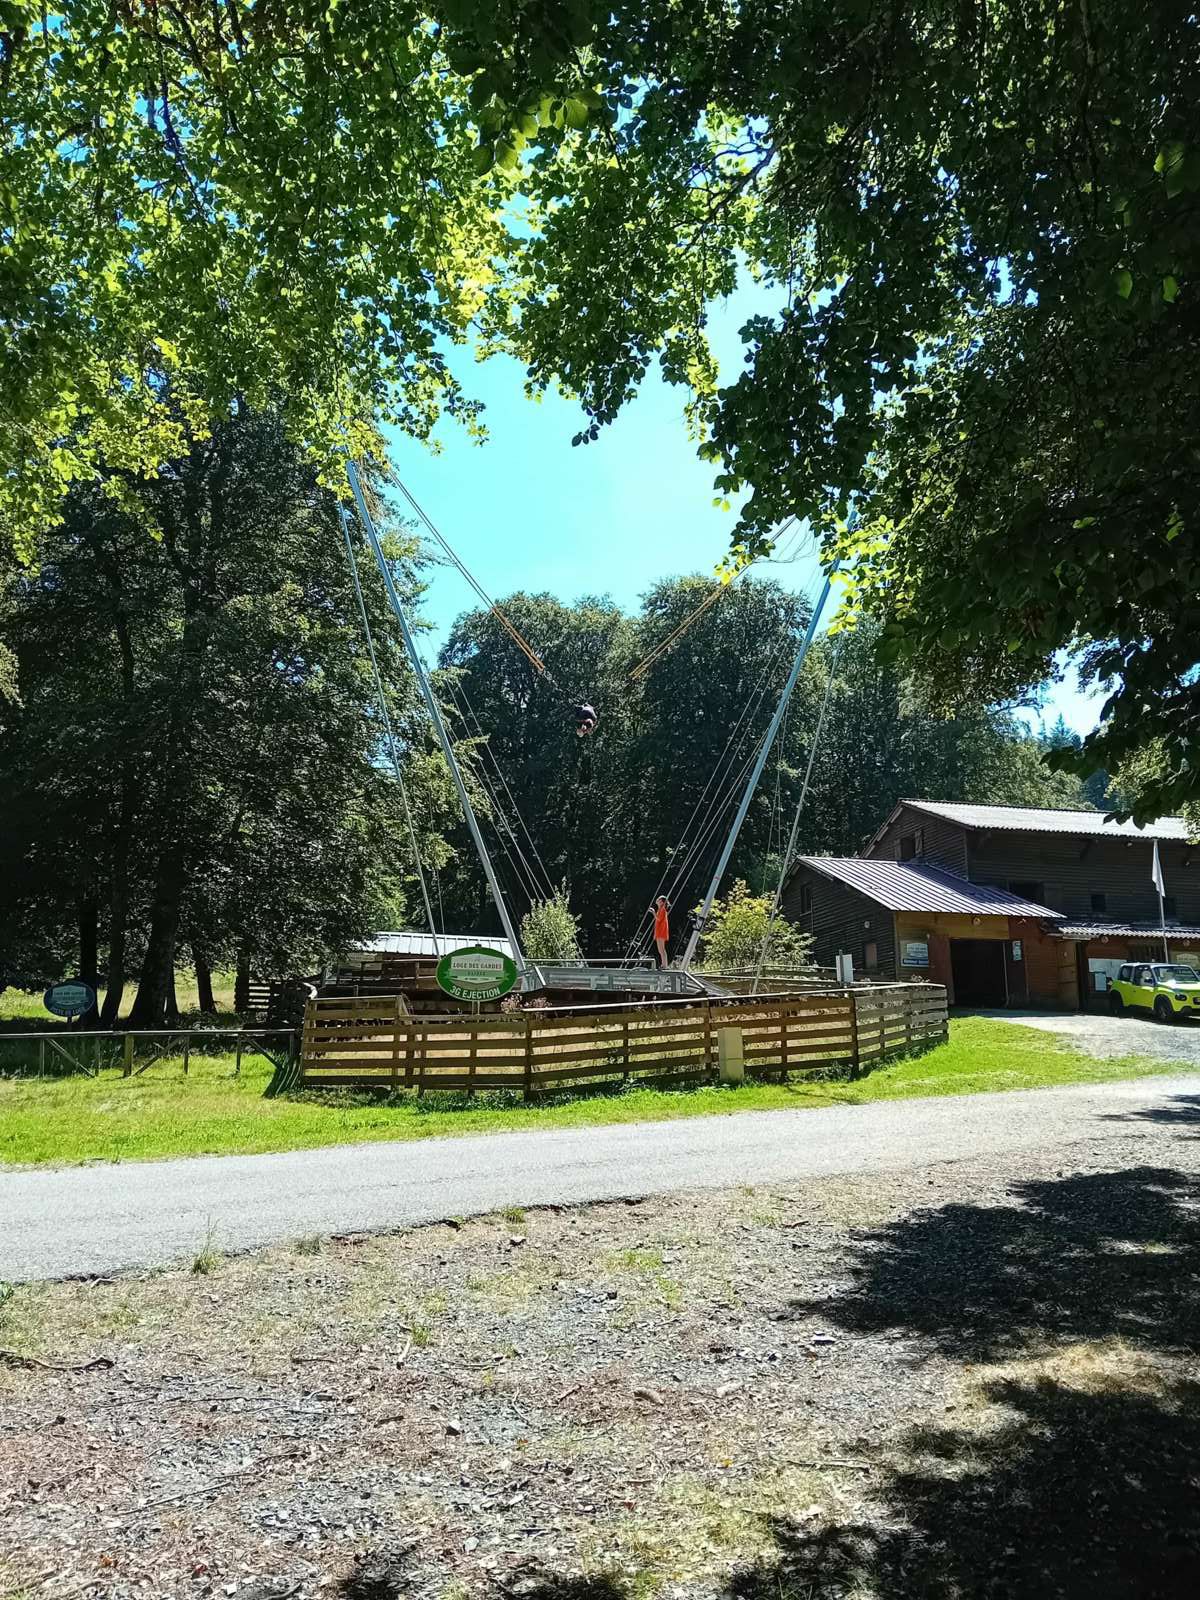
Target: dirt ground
x=979, y=1380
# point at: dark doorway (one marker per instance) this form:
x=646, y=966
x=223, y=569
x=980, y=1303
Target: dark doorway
x=978, y=969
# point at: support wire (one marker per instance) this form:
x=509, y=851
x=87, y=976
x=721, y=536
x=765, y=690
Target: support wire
x=789, y=853
x=387, y=724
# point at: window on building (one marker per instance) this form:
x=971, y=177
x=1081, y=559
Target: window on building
x=1099, y=902
x=805, y=899
x=870, y=955
x=906, y=849
x=1029, y=891
x=1169, y=907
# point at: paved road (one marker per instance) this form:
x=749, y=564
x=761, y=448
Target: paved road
x=88, y=1220
x=1098, y=1034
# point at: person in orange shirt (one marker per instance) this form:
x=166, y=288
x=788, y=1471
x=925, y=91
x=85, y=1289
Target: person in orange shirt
x=662, y=927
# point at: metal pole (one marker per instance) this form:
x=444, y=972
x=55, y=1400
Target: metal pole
x=387, y=723
x=760, y=763
x=434, y=710
x=792, y=837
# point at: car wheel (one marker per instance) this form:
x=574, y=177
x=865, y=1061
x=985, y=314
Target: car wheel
x=1115, y=1003
x=1164, y=1011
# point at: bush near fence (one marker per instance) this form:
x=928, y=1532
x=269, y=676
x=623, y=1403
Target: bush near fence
x=358, y=1042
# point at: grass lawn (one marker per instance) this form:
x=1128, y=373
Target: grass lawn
x=21, y=1009
x=161, y=1113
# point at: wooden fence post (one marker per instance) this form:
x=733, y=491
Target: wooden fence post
x=187, y=1051
x=396, y=1046
x=708, y=1040
x=731, y=1063
x=528, y=1057
x=855, y=1058
x=127, y=1070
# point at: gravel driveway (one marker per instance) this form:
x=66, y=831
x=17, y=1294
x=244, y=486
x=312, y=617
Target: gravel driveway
x=959, y=1380
x=1098, y=1034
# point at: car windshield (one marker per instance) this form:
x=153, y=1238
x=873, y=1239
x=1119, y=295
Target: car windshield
x=1177, y=975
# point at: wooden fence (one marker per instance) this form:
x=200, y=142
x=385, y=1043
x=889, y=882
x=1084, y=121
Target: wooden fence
x=370, y=1042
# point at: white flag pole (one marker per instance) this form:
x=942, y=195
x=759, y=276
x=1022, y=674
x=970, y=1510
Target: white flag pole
x=1157, y=879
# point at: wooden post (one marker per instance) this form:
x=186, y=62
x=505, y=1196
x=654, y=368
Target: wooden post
x=708, y=1039
x=187, y=1050
x=855, y=1058
x=625, y=1046
x=127, y=1070
x=731, y=1064
x=237, y=1062
x=472, y=1062
x=396, y=1046
x=41, y=1058
x=784, y=1020
x=528, y=1057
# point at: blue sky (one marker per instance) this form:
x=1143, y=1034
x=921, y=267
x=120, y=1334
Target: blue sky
x=527, y=510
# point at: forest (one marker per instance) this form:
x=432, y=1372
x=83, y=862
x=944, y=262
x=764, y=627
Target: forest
x=195, y=772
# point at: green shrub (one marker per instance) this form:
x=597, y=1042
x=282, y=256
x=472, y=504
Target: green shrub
x=737, y=926
x=549, y=929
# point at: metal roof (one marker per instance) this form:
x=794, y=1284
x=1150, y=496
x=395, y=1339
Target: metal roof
x=1034, y=819
x=1124, y=930
x=904, y=886
x=406, y=943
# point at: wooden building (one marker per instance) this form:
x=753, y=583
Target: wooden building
x=1005, y=905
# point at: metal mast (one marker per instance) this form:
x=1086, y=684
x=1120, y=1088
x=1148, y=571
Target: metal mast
x=771, y=735
x=434, y=710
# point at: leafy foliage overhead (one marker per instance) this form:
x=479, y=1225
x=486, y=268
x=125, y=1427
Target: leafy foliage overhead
x=976, y=222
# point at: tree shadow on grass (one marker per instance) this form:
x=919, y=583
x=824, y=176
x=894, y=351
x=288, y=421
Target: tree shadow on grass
x=1075, y=1495
x=1087, y=1257
x=1083, y=1485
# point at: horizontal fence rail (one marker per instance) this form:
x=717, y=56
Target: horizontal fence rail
x=357, y=1042
x=91, y=1050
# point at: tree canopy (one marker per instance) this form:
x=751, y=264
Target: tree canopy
x=975, y=223
x=191, y=763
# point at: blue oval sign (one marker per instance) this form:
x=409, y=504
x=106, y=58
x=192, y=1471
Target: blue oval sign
x=69, y=999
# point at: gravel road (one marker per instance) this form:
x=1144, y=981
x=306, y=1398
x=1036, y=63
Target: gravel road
x=103, y=1219
x=1098, y=1034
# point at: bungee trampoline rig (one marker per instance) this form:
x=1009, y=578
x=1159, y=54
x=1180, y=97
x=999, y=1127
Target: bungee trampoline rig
x=629, y=976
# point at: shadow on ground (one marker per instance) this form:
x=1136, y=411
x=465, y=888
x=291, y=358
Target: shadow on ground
x=1083, y=1485
x=1079, y=1496
x=1182, y=1110
x=1076, y=1476
x=1095, y=1256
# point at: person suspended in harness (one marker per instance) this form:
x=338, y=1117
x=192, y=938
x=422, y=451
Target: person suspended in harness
x=662, y=927
x=585, y=720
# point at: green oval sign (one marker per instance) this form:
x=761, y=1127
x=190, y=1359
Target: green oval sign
x=69, y=999
x=477, y=973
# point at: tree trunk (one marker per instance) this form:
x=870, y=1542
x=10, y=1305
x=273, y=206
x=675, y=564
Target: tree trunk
x=204, y=989
x=88, y=916
x=241, y=983
x=171, y=1007
x=156, y=985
